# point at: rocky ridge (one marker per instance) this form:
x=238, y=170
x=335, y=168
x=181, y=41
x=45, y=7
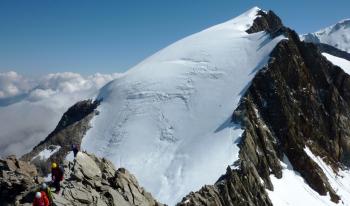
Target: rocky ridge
x=70, y=130
x=94, y=181
x=88, y=181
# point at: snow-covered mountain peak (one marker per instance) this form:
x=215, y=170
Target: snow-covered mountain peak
x=235, y=26
x=252, y=12
x=243, y=21
x=337, y=35
x=168, y=119
x=343, y=24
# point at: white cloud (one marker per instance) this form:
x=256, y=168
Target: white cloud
x=13, y=84
x=27, y=120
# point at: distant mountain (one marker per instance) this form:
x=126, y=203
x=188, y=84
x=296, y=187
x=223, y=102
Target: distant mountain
x=337, y=35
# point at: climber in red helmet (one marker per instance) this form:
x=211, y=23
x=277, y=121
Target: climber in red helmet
x=41, y=199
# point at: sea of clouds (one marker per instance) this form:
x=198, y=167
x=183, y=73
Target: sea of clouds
x=30, y=108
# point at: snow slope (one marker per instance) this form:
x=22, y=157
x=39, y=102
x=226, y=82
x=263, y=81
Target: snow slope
x=292, y=190
x=337, y=35
x=168, y=119
x=340, y=62
x=340, y=180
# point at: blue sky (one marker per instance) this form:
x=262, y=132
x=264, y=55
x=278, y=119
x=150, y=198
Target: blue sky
x=85, y=36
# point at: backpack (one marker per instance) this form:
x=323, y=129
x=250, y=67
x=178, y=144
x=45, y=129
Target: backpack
x=49, y=193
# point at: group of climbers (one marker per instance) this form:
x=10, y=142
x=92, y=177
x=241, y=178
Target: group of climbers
x=43, y=197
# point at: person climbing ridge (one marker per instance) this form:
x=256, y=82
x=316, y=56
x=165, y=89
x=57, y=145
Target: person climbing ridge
x=47, y=190
x=57, y=176
x=41, y=199
x=75, y=150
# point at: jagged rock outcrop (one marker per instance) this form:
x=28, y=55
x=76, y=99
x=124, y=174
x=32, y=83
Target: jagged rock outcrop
x=293, y=99
x=17, y=180
x=298, y=99
x=94, y=181
x=70, y=130
x=87, y=181
x=267, y=21
x=236, y=187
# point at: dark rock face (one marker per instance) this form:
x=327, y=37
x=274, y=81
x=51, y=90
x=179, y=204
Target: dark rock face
x=76, y=113
x=298, y=100
x=70, y=130
x=295, y=97
x=268, y=22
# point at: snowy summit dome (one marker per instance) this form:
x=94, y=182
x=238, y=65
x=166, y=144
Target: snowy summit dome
x=168, y=119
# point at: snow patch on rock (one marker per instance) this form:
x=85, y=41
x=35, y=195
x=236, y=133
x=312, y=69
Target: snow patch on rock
x=47, y=152
x=340, y=62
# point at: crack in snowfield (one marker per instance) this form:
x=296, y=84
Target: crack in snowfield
x=168, y=119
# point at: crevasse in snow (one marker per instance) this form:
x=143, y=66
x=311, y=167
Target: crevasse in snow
x=168, y=119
